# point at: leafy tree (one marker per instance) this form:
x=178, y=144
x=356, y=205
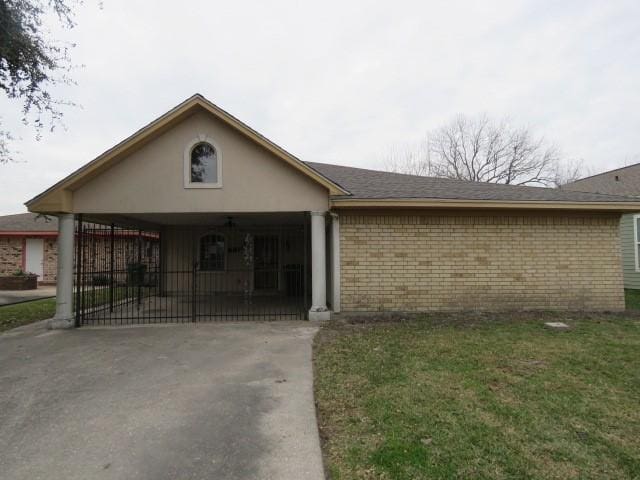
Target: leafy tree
x=32, y=62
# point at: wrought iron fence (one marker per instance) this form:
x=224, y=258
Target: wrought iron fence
x=190, y=274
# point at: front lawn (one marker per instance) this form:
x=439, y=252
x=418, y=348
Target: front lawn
x=12, y=316
x=481, y=397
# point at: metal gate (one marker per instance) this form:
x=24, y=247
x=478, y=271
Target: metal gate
x=190, y=274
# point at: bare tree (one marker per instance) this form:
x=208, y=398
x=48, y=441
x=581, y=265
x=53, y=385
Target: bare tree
x=482, y=150
x=570, y=171
x=411, y=159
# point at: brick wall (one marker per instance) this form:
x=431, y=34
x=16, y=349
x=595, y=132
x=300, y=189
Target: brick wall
x=10, y=255
x=417, y=262
x=50, y=260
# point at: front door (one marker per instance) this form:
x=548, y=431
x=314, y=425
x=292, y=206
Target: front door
x=34, y=256
x=265, y=262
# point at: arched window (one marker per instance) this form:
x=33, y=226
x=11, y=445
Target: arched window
x=202, y=163
x=212, y=252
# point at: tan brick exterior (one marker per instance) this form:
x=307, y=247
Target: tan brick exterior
x=419, y=262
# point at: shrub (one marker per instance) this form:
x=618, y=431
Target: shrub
x=100, y=280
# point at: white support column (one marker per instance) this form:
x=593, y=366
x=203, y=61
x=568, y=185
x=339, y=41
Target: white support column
x=319, y=309
x=335, y=262
x=64, y=294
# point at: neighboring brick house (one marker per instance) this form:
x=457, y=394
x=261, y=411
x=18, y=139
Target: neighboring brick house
x=621, y=181
x=28, y=243
x=247, y=230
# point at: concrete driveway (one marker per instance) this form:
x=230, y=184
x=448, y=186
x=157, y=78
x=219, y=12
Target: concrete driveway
x=202, y=401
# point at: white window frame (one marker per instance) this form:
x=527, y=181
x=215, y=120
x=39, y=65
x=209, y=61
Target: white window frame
x=224, y=266
x=635, y=241
x=202, y=138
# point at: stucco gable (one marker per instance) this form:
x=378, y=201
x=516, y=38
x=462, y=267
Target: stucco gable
x=151, y=180
x=62, y=196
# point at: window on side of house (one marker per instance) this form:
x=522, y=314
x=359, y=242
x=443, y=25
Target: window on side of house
x=212, y=253
x=204, y=164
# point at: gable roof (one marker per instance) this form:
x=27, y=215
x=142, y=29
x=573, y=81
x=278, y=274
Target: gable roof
x=619, y=181
x=347, y=186
x=27, y=223
x=58, y=199
x=393, y=188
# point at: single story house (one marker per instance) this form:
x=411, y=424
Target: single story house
x=621, y=181
x=245, y=229
x=28, y=243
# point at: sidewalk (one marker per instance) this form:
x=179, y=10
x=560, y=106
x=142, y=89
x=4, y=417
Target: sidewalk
x=7, y=297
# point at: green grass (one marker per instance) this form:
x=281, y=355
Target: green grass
x=632, y=299
x=480, y=399
x=12, y=316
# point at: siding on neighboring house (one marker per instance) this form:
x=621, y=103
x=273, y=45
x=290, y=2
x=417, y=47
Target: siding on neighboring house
x=627, y=244
x=417, y=261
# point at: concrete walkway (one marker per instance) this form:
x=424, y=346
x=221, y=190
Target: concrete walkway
x=8, y=297
x=202, y=401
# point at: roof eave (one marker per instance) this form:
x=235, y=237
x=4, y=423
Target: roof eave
x=347, y=203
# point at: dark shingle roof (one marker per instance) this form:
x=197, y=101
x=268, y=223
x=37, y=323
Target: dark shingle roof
x=28, y=222
x=621, y=181
x=374, y=184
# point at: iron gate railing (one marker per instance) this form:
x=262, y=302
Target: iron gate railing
x=190, y=274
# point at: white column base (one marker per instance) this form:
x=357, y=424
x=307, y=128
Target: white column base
x=319, y=316
x=60, y=323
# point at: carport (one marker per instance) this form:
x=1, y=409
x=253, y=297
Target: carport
x=160, y=268
x=196, y=217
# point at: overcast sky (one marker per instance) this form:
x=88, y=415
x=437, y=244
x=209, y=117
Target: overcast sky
x=345, y=81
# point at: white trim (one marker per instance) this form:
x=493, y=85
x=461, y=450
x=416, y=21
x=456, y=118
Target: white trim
x=635, y=241
x=202, y=138
x=361, y=203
